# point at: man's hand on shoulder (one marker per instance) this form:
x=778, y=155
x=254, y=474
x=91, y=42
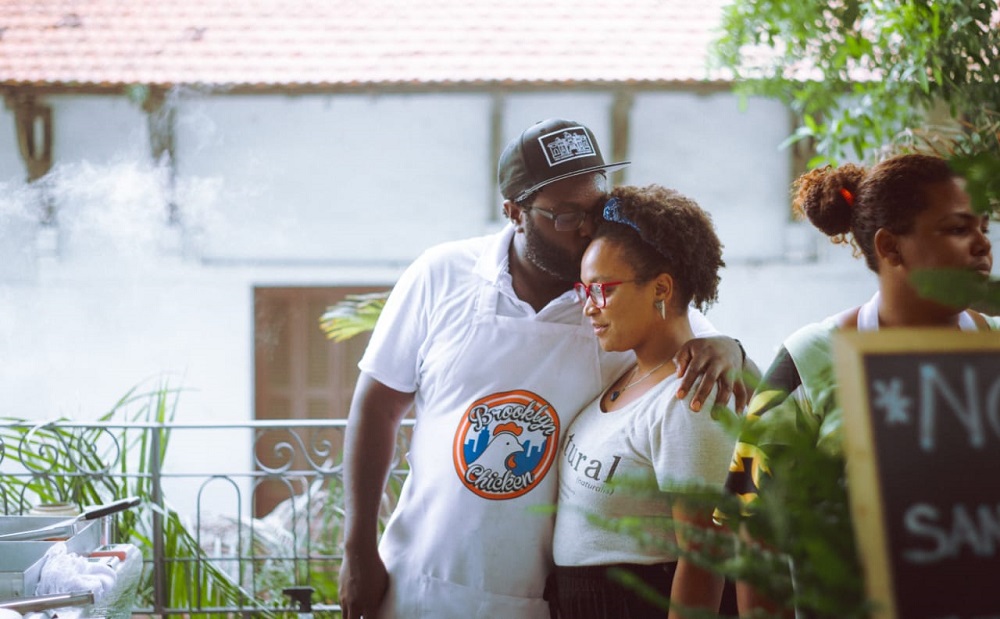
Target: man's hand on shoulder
x=705, y=362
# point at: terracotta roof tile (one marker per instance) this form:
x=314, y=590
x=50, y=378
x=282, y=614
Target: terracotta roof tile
x=363, y=43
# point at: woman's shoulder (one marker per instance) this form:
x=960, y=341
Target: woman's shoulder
x=816, y=337
x=810, y=351
x=813, y=338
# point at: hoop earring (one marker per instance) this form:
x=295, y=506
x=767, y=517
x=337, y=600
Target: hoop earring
x=662, y=308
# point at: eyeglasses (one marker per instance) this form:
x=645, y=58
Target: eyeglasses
x=597, y=292
x=565, y=222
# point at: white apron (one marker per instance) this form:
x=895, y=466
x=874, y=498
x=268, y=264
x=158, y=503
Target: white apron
x=472, y=534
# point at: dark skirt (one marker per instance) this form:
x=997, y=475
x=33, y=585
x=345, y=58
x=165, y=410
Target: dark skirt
x=592, y=593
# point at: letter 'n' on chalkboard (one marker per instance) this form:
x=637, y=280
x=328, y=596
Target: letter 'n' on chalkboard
x=922, y=443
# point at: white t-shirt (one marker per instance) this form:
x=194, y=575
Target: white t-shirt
x=613, y=465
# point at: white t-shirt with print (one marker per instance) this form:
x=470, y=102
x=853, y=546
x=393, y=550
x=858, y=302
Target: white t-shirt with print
x=614, y=467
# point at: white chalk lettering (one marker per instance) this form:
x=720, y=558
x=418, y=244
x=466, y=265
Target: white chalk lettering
x=913, y=520
x=968, y=410
x=993, y=407
x=977, y=530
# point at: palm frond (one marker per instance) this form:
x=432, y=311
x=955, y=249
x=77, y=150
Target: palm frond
x=355, y=314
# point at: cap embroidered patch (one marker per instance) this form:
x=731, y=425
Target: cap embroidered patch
x=566, y=145
x=505, y=444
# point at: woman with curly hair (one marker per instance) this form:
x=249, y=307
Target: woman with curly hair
x=655, y=254
x=906, y=214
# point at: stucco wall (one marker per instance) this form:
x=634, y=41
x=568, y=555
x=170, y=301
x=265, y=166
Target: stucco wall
x=348, y=178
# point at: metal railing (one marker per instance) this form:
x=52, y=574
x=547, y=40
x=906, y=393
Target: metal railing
x=232, y=513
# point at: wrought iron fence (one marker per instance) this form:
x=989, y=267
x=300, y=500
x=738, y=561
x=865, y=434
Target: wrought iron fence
x=231, y=513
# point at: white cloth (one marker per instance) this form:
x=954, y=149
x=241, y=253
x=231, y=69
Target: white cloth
x=609, y=458
x=66, y=572
x=494, y=382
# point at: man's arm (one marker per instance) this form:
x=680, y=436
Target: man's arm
x=369, y=443
x=720, y=360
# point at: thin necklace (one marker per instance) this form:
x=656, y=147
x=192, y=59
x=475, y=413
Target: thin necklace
x=618, y=392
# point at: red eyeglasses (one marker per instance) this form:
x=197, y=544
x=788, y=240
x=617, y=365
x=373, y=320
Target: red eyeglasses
x=598, y=291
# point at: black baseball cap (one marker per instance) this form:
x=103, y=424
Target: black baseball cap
x=546, y=152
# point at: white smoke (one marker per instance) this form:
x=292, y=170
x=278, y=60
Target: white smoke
x=116, y=211
x=17, y=223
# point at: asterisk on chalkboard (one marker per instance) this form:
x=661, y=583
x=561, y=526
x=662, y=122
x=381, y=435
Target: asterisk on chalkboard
x=889, y=397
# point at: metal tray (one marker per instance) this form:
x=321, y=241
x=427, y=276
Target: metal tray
x=21, y=561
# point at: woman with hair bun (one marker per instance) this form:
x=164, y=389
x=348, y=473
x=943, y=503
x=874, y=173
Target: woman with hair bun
x=654, y=254
x=905, y=214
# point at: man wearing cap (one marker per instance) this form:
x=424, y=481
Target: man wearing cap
x=484, y=337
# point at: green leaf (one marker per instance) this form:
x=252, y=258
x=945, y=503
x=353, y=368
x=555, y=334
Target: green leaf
x=908, y=57
x=355, y=314
x=956, y=287
x=981, y=172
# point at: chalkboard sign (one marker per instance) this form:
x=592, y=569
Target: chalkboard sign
x=922, y=442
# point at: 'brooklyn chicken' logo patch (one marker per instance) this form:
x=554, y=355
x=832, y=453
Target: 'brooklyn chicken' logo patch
x=505, y=444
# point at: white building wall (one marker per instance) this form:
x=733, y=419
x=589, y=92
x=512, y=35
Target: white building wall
x=725, y=157
x=593, y=109
x=10, y=159
x=346, y=178
x=725, y=153
x=98, y=130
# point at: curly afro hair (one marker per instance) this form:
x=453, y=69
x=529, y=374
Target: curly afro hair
x=674, y=236
x=853, y=200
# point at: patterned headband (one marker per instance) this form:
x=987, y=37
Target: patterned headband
x=613, y=212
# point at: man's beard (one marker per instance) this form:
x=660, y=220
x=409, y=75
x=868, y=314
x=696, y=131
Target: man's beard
x=557, y=262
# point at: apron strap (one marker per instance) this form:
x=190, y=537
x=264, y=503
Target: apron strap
x=978, y=320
